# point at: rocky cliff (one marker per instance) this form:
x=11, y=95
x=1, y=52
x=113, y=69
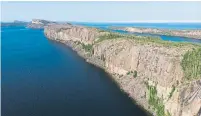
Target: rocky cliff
x=39, y=23
x=149, y=70
x=196, y=34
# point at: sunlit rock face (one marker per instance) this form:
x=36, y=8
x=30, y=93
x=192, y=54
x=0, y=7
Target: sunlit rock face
x=135, y=65
x=69, y=32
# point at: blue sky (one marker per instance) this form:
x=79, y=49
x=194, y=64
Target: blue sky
x=102, y=11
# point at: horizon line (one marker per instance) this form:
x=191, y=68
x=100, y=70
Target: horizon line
x=137, y=21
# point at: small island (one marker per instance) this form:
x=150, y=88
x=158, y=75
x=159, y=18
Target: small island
x=39, y=23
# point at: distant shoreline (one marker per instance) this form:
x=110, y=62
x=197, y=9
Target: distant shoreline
x=188, y=33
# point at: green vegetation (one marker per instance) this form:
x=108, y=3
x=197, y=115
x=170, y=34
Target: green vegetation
x=143, y=39
x=109, y=35
x=128, y=73
x=168, y=113
x=191, y=64
x=155, y=101
x=135, y=74
x=88, y=47
x=172, y=91
x=100, y=30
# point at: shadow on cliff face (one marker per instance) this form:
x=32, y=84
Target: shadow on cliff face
x=44, y=78
x=140, y=111
x=104, y=88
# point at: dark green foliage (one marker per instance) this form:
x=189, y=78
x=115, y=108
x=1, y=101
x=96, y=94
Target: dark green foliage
x=152, y=96
x=172, y=91
x=155, y=102
x=128, y=73
x=143, y=39
x=160, y=109
x=135, y=74
x=191, y=64
x=168, y=113
x=109, y=36
x=88, y=47
x=100, y=30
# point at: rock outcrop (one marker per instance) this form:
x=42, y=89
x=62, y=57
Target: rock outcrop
x=67, y=32
x=196, y=34
x=149, y=72
x=39, y=23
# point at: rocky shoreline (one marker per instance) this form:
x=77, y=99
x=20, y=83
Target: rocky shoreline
x=195, y=33
x=81, y=52
x=100, y=64
x=149, y=72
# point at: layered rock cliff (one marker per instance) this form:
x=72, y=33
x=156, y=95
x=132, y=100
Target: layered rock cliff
x=196, y=34
x=149, y=70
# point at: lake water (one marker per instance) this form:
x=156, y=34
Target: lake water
x=45, y=78
x=146, y=25
x=106, y=26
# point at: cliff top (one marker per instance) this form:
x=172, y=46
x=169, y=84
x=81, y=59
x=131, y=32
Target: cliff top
x=146, y=40
x=107, y=35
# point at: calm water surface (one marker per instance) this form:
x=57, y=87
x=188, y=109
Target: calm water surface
x=106, y=26
x=146, y=25
x=45, y=78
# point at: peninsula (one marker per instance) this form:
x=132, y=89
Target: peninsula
x=195, y=33
x=163, y=77
x=39, y=23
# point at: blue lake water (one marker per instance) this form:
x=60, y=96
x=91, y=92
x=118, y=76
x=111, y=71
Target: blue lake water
x=105, y=26
x=146, y=25
x=45, y=78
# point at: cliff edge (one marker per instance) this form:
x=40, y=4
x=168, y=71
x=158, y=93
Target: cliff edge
x=163, y=77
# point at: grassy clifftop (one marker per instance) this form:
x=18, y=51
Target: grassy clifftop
x=144, y=39
x=191, y=64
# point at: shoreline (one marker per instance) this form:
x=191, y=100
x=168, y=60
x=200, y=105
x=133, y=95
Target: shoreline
x=123, y=57
x=186, y=33
x=164, y=35
x=72, y=45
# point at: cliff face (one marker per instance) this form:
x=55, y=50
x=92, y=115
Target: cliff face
x=150, y=73
x=158, y=66
x=182, y=33
x=71, y=33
